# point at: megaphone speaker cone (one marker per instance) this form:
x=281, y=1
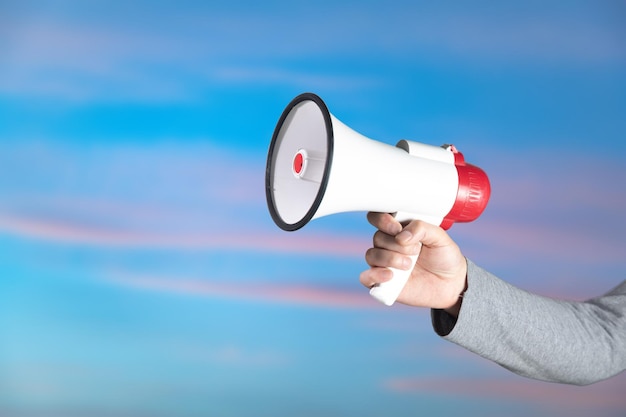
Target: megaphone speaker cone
x=298, y=162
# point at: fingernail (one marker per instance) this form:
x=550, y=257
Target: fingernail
x=406, y=262
x=404, y=236
x=387, y=275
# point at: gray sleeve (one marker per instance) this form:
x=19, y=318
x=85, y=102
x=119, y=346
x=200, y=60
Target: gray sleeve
x=538, y=337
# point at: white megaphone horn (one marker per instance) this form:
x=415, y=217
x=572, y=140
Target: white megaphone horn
x=318, y=166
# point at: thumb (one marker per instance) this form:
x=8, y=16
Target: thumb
x=421, y=232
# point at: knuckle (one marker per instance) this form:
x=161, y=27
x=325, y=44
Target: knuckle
x=378, y=239
x=370, y=255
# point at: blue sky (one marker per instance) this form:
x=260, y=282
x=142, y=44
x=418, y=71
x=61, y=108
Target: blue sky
x=140, y=271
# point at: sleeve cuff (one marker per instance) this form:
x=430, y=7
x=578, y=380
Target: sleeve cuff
x=443, y=323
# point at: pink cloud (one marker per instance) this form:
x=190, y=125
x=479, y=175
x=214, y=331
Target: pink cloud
x=86, y=234
x=607, y=394
x=299, y=295
x=557, y=182
x=522, y=239
x=83, y=62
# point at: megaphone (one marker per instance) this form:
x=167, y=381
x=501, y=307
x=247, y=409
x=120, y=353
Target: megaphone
x=317, y=166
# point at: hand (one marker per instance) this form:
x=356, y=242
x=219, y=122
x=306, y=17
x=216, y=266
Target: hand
x=439, y=276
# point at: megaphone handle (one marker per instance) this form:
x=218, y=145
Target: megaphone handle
x=388, y=292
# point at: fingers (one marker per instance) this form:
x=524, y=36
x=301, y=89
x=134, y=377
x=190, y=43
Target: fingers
x=383, y=258
x=441, y=269
x=425, y=233
x=391, y=245
x=375, y=276
x=413, y=233
x=384, y=222
x=386, y=241
x=403, y=243
x=380, y=260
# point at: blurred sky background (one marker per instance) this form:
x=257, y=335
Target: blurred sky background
x=140, y=271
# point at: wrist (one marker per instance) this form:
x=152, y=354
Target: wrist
x=455, y=308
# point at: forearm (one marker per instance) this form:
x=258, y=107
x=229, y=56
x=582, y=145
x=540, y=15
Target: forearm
x=539, y=337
